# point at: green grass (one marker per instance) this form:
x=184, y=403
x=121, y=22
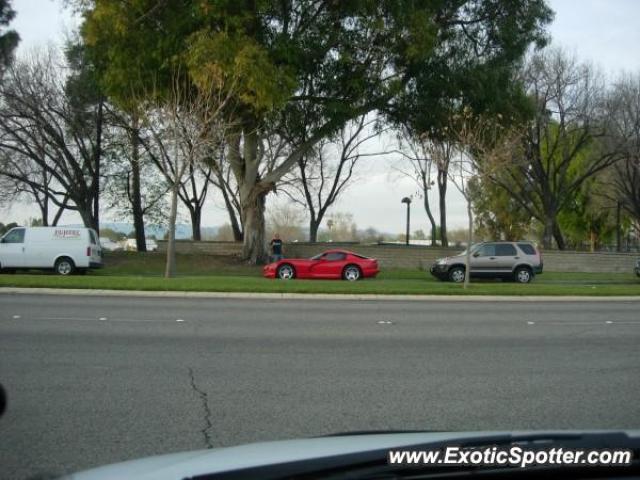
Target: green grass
x=132, y=271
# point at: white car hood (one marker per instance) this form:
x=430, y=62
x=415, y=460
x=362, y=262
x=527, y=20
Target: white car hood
x=177, y=466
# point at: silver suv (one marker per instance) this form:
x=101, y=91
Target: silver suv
x=519, y=261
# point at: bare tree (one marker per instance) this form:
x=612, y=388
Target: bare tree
x=40, y=123
x=133, y=187
x=565, y=144
x=624, y=122
x=286, y=219
x=478, y=147
x=423, y=159
x=22, y=180
x=224, y=181
x=326, y=171
x=183, y=126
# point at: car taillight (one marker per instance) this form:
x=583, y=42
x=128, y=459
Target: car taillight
x=88, y=251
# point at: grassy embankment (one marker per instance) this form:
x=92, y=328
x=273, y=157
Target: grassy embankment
x=131, y=271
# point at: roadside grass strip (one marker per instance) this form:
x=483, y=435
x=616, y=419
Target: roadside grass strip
x=393, y=282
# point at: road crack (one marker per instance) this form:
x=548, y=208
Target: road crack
x=206, y=431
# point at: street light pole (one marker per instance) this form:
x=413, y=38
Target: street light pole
x=618, y=233
x=407, y=200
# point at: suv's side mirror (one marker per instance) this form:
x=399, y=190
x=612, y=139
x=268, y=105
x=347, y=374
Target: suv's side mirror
x=477, y=254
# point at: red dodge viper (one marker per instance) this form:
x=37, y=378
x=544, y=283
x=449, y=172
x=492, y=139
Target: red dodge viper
x=330, y=264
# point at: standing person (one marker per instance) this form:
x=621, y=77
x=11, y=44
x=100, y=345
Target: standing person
x=276, y=248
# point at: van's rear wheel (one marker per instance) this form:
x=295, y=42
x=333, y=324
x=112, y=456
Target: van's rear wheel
x=64, y=266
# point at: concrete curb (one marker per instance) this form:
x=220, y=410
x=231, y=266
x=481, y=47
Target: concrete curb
x=314, y=296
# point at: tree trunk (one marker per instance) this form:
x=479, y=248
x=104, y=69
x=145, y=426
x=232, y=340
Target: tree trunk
x=467, y=260
x=85, y=210
x=254, y=248
x=170, y=267
x=196, y=219
x=442, y=195
x=233, y=219
x=547, y=234
x=60, y=211
x=427, y=208
x=557, y=234
x=432, y=221
x=95, y=184
x=314, y=224
x=44, y=210
x=136, y=196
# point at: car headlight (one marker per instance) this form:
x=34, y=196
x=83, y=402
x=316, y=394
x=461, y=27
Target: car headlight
x=441, y=261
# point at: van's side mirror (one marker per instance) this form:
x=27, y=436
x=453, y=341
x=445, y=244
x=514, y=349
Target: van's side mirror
x=477, y=254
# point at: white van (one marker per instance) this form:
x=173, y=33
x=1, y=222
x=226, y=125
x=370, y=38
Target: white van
x=64, y=249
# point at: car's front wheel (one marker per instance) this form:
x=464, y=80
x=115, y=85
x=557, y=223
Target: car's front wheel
x=286, y=272
x=522, y=275
x=456, y=274
x=351, y=273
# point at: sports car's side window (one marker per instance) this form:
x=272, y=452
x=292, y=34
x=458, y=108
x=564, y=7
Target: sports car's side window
x=333, y=257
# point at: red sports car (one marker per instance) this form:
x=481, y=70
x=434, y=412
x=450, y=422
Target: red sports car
x=334, y=264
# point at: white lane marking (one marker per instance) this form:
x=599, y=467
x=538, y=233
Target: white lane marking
x=16, y=317
x=81, y=319
x=102, y=318
x=385, y=322
x=179, y=320
x=608, y=321
x=531, y=323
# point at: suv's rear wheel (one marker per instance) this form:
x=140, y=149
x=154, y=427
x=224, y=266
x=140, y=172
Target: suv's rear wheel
x=522, y=275
x=456, y=274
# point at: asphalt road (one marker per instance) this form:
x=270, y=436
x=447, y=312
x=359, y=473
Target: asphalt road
x=95, y=380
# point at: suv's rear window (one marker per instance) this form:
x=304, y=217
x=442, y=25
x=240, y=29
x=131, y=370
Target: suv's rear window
x=505, y=250
x=527, y=248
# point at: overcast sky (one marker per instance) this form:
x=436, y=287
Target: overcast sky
x=604, y=32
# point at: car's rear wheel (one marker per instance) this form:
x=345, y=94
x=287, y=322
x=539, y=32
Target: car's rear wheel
x=456, y=274
x=351, y=273
x=522, y=275
x=64, y=266
x=286, y=272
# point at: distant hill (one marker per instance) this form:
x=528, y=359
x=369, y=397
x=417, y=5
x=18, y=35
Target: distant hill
x=183, y=231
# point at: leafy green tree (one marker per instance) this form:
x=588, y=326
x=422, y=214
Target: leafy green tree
x=498, y=216
x=9, y=39
x=112, y=234
x=5, y=228
x=564, y=145
x=362, y=55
